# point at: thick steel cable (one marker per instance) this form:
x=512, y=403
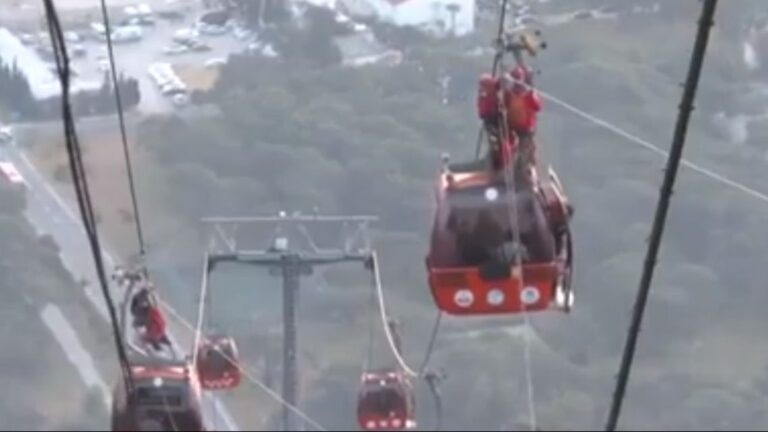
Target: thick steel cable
x=79, y=180
x=123, y=135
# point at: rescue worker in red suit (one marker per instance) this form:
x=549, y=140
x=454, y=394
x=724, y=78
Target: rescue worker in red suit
x=522, y=103
x=488, y=111
x=154, y=333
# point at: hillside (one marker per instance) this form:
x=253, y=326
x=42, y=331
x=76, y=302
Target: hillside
x=293, y=135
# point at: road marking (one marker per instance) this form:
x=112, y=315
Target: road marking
x=62, y=203
x=67, y=338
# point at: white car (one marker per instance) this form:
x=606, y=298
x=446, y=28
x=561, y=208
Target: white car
x=175, y=50
x=104, y=65
x=215, y=62
x=185, y=35
x=10, y=173
x=127, y=34
x=72, y=37
x=180, y=99
x=6, y=135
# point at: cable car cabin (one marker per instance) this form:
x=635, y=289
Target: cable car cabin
x=472, y=258
x=166, y=397
x=218, y=364
x=386, y=402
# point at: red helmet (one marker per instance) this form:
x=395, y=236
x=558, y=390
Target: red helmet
x=518, y=74
x=487, y=83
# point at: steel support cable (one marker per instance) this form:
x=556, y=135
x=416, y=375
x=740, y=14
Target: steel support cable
x=383, y=312
x=371, y=327
x=432, y=341
x=123, y=135
x=432, y=382
x=650, y=146
x=376, y=280
x=200, y=311
x=247, y=373
x=665, y=197
x=80, y=183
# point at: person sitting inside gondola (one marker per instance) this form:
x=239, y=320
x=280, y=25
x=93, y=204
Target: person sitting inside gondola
x=386, y=402
x=486, y=236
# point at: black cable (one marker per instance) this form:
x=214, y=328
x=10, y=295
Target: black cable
x=432, y=379
x=659, y=220
x=432, y=340
x=80, y=182
x=123, y=135
x=500, y=37
x=499, y=43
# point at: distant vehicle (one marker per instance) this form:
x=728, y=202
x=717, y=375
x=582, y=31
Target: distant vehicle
x=27, y=39
x=98, y=29
x=175, y=86
x=198, y=46
x=71, y=36
x=215, y=62
x=175, y=50
x=171, y=15
x=180, y=99
x=79, y=51
x=584, y=14
x=10, y=173
x=6, y=135
x=216, y=18
x=269, y=51
x=140, y=15
x=185, y=35
x=211, y=30
x=127, y=34
x=242, y=33
x=104, y=65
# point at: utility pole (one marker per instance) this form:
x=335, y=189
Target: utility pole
x=673, y=161
x=292, y=253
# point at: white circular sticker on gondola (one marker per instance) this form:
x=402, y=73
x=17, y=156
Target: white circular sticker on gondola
x=495, y=297
x=464, y=298
x=530, y=295
x=491, y=194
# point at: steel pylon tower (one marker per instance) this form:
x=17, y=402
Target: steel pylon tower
x=290, y=252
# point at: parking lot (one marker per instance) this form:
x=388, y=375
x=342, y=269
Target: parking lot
x=134, y=57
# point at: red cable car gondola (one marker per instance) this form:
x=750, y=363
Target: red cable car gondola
x=166, y=397
x=218, y=363
x=471, y=259
x=386, y=402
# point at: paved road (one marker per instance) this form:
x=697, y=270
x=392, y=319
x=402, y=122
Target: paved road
x=52, y=215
